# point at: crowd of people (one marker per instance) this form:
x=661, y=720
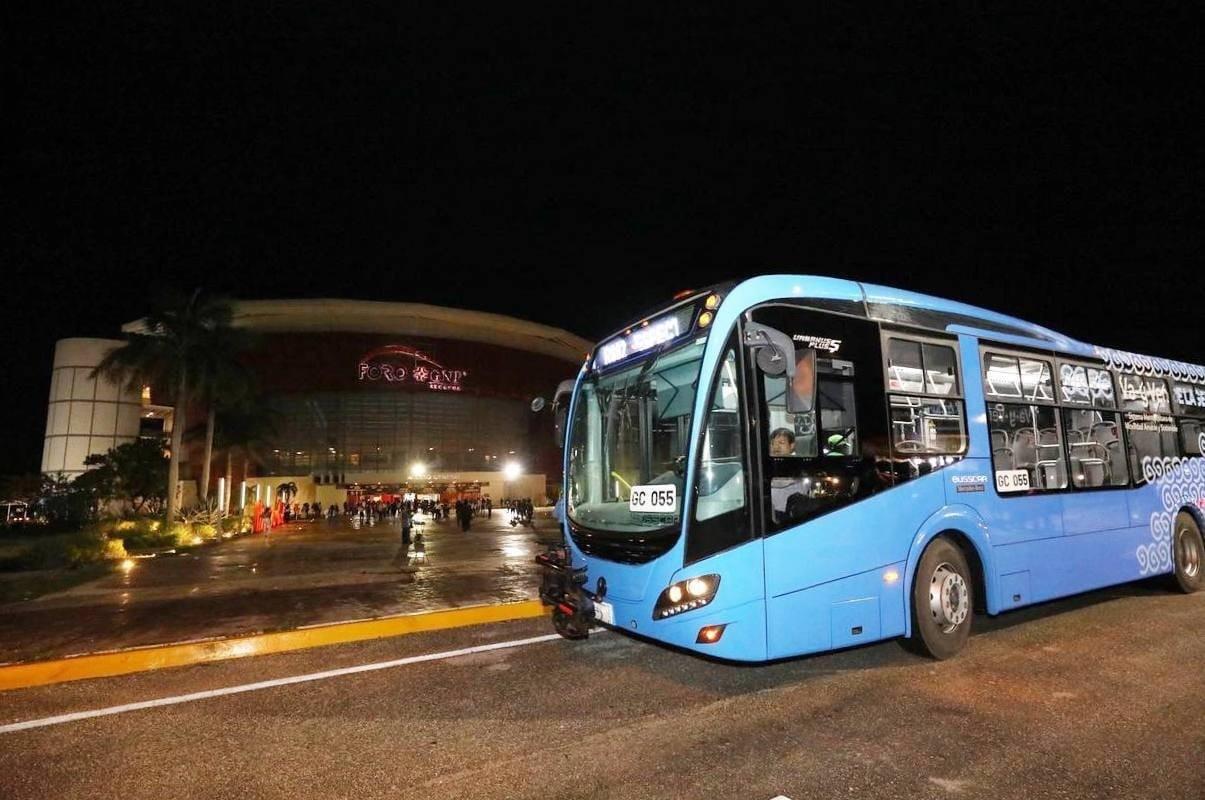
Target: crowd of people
x=521, y=510
x=368, y=512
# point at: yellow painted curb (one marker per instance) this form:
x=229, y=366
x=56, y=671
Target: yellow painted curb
x=103, y=665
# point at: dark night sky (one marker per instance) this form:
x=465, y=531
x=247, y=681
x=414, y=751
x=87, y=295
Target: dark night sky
x=575, y=170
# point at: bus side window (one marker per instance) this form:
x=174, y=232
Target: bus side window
x=721, y=517
x=1190, y=436
x=1150, y=428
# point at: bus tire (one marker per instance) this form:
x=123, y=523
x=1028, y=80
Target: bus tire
x=1188, y=552
x=943, y=601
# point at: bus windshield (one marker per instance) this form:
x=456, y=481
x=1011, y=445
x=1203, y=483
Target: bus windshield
x=631, y=428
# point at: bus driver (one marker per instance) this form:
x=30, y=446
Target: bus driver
x=784, y=490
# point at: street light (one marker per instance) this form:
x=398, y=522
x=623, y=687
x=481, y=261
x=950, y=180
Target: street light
x=512, y=470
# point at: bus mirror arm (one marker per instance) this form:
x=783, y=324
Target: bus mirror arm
x=775, y=355
x=776, y=346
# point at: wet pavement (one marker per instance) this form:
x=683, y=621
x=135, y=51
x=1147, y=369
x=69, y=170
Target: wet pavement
x=1098, y=696
x=302, y=574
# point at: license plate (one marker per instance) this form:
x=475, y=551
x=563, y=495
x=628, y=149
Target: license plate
x=660, y=497
x=604, y=612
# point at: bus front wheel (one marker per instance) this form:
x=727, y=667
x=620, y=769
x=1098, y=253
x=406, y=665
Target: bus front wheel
x=1188, y=552
x=943, y=601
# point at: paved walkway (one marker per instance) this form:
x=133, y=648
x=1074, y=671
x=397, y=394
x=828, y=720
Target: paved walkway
x=303, y=574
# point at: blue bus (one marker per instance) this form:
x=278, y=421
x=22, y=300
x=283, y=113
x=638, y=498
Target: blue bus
x=794, y=464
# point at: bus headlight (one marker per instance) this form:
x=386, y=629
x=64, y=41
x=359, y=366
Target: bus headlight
x=686, y=595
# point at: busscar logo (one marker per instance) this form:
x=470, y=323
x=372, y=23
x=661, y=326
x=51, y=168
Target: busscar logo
x=969, y=483
x=401, y=364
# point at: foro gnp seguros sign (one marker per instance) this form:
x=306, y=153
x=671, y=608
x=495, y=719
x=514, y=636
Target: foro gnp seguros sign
x=400, y=364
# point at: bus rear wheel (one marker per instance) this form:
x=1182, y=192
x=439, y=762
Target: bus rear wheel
x=943, y=601
x=1188, y=550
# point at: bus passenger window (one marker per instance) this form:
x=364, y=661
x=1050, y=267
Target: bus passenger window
x=1095, y=444
x=928, y=420
x=1191, y=432
x=1028, y=438
x=1150, y=427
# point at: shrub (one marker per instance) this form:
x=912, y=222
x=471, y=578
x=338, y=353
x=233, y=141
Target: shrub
x=147, y=534
x=76, y=549
x=115, y=548
x=68, y=550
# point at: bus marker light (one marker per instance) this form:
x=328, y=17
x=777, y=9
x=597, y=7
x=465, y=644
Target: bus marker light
x=705, y=319
x=712, y=302
x=711, y=634
x=891, y=576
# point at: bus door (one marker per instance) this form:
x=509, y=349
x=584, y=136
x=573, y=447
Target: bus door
x=1029, y=475
x=836, y=532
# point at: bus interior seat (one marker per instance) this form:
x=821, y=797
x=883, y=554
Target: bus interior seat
x=1048, y=437
x=1003, y=457
x=1025, y=450
x=1104, y=432
x=1117, y=461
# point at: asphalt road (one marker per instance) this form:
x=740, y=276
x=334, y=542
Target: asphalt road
x=306, y=573
x=1101, y=696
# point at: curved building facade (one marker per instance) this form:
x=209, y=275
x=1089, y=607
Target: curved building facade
x=370, y=396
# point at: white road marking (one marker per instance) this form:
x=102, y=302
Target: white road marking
x=254, y=687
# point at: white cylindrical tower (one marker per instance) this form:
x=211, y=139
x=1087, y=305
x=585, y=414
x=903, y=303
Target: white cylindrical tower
x=85, y=415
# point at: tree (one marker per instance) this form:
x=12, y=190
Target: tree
x=244, y=428
x=66, y=503
x=222, y=381
x=134, y=473
x=170, y=353
x=28, y=488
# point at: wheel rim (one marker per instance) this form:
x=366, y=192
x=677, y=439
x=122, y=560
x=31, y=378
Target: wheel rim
x=949, y=598
x=1188, y=555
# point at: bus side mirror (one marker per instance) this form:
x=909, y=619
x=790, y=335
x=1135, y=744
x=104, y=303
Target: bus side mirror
x=775, y=355
x=801, y=391
x=559, y=415
x=560, y=410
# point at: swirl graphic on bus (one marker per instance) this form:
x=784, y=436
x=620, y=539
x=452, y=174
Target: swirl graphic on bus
x=1179, y=482
x=1123, y=361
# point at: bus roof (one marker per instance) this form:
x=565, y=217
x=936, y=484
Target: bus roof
x=901, y=307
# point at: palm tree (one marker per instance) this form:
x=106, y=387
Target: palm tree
x=169, y=353
x=222, y=381
x=244, y=428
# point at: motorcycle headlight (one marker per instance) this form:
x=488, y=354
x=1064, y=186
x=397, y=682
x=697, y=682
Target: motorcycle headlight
x=687, y=595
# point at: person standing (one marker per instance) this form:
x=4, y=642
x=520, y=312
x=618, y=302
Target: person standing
x=406, y=523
